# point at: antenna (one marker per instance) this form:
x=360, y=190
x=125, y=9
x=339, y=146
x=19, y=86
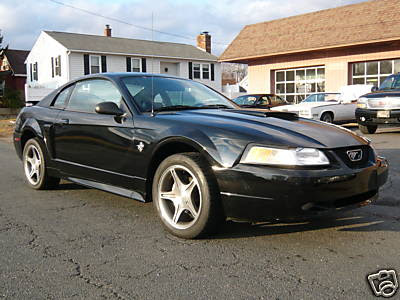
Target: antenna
x=152, y=63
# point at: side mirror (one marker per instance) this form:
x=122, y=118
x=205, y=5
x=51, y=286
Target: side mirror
x=108, y=108
x=374, y=88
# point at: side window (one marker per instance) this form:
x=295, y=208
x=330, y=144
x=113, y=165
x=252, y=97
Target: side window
x=263, y=101
x=321, y=98
x=311, y=98
x=88, y=93
x=62, y=97
x=276, y=100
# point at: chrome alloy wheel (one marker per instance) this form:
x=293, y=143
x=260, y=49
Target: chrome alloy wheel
x=33, y=165
x=179, y=197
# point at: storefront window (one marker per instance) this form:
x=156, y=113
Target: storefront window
x=374, y=72
x=296, y=84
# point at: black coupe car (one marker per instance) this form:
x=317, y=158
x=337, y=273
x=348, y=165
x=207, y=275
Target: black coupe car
x=193, y=152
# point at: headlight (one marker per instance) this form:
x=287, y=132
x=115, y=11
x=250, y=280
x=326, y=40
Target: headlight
x=362, y=102
x=285, y=157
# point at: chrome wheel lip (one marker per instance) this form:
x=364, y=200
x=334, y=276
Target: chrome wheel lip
x=33, y=165
x=183, y=201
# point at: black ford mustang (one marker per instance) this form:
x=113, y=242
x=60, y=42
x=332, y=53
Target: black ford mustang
x=193, y=152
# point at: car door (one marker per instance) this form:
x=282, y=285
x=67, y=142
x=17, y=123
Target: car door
x=94, y=146
x=276, y=101
x=345, y=111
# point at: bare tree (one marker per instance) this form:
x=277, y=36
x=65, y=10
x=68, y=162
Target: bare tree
x=234, y=71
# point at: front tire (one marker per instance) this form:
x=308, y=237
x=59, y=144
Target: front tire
x=327, y=117
x=368, y=129
x=186, y=197
x=35, y=166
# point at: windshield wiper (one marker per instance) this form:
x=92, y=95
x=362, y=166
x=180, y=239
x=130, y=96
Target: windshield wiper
x=184, y=107
x=175, y=107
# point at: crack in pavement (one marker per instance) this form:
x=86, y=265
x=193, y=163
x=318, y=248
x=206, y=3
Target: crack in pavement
x=32, y=243
x=95, y=283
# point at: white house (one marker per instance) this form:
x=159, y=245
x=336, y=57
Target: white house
x=58, y=57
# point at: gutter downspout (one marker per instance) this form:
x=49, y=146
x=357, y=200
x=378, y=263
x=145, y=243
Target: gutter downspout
x=68, y=66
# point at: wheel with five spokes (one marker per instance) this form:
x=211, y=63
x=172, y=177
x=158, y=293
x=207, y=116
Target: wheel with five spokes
x=186, y=197
x=35, y=163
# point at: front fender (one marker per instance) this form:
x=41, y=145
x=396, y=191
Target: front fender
x=222, y=149
x=33, y=126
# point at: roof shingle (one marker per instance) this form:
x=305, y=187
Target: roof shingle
x=362, y=23
x=104, y=44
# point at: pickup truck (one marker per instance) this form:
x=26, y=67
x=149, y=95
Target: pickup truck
x=380, y=107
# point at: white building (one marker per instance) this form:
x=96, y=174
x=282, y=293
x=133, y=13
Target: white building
x=58, y=57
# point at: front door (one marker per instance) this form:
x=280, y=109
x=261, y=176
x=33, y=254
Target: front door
x=94, y=146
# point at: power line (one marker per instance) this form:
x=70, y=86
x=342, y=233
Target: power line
x=127, y=23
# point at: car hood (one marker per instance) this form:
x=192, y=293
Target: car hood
x=301, y=106
x=383, y=94
x=251, y=126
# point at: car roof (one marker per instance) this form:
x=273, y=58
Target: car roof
x=118, y=75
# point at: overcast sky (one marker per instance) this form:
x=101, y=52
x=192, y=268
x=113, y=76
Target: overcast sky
x=22, y=20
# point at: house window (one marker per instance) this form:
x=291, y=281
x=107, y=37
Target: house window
x=56, y=66
x=374, y=72
x=2, y=84
x=135, y=63
x=34, y=72
x=95, y=66
x=196, y=71
x=201, y=71
x=205, y=71
x=294, y=85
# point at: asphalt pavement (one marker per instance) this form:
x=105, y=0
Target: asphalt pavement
x=79, y=243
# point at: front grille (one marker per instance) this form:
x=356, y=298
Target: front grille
x=367, y=156
x=384, y=103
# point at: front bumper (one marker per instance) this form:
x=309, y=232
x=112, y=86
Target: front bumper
x=17, y=143
x=264, y=193
x=370, y=117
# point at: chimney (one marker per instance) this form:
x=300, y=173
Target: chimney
x=204, y=41
x=107, y=31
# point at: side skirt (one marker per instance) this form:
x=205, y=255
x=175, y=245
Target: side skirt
x=108, y=188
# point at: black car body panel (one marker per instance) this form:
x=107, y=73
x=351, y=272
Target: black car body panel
x=119, y=153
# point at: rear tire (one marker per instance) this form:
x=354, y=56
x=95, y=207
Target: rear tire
x=368, y=129
x=327, y=117
x=186, y=196
x=35, y=166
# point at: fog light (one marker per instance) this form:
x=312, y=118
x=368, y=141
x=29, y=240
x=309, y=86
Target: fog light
x=362, y=119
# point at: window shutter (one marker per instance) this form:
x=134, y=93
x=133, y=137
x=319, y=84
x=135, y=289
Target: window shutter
x=128, y=64
x=59, y=65
x=52, y=67
x=31, y=71
x=212, y=72
x=190, y=70
x=86, y=64
x=104, y=64
x=144, y=69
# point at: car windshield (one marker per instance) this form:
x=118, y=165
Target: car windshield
x=391, y=83
x=164, y=93
x=322, y=97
